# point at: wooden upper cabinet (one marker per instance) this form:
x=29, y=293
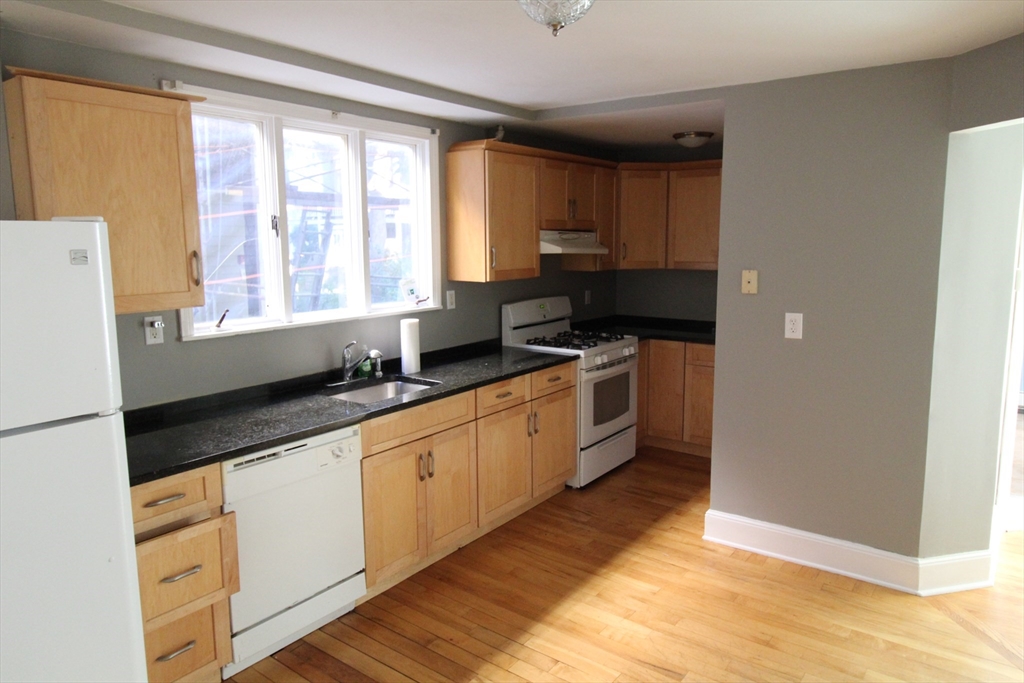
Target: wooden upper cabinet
x=642, y=218
x=694, y=201
x=125, y=154
x=567, y=193
x=493, y=215
x=605, y=202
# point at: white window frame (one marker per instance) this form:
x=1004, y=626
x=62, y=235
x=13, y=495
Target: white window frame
x=275, y=116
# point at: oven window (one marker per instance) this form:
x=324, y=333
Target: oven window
x=611, y=398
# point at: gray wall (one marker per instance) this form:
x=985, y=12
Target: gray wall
x=832, y=189
x=177, y=370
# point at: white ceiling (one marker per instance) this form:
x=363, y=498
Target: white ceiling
x=622, y=75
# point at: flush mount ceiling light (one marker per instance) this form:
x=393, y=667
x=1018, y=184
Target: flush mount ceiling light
x=693, y=138
x=555, y=14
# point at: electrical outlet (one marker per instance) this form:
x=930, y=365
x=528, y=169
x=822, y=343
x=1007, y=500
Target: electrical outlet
x=450, y=296
x=153, y=326
x=586, y=297
x=794, y=326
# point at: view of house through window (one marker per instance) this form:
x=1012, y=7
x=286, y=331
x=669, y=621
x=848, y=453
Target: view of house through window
x=306, y=221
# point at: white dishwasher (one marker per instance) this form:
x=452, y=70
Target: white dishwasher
x=299, y=514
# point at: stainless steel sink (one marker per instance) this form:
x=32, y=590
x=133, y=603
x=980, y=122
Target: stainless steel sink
x=373, y=391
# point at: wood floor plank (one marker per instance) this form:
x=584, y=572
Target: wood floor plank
x=615, y=583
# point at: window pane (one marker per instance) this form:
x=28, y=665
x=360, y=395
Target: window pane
x=229, y=179
x=394, y=230
x=323, y=268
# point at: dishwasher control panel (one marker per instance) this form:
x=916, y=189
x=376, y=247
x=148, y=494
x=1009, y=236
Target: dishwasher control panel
x=345, y=450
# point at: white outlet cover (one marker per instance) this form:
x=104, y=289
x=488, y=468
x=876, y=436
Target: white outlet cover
x=153, y=328
x=794, y=326
x=450, y=298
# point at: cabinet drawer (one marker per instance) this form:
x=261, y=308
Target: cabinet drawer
x=700, y=354
x=554, y=379
x=186, y=569
x=501, y=395
x=198, y=642
x=178, y=496
x=395, y=429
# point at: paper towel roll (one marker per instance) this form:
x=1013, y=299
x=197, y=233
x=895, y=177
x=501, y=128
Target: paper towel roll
x=410, y=328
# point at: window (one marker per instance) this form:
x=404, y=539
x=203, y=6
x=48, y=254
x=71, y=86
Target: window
x=310, y=216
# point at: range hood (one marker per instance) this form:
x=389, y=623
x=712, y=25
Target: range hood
x=570, y=242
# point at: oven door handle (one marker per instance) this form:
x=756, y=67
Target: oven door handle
x=597, y=373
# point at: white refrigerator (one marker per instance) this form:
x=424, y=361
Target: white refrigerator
x=69, y=591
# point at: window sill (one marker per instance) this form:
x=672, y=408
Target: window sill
x=229, y=330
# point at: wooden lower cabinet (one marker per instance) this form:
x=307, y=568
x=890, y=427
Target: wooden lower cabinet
x=505, y=461
x=526, y=451
x=643, y=354
x=554, y=440
x=187, y=571
x=418, y=498
x=680, y=396
x=665, y=393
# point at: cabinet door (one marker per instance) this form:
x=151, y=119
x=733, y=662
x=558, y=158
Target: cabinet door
x=451, y=486
x=128, y=157
x=513, y=245
x=394, y=508
x=554, y=440
x=698, y=407
x=694, y=202
x=605, y=198
x=665, y=389
x=643, y=199
x=504, y=462
x=554, y=194
x=643, y=353
x=582, y=194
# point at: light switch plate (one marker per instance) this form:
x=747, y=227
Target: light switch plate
x=749, y=282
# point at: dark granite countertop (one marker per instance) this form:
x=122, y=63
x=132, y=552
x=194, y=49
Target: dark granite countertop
x=174, y=438
x=698, y=331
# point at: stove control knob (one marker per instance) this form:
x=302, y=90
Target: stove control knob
x=603, y=358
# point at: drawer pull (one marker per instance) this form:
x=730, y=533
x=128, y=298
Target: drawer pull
x=557, y=378
x=164, y=501
x=169, y=657
x=505, y=395
x=172, y=579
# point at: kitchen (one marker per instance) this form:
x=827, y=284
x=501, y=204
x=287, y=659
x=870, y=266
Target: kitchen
x=804, y=157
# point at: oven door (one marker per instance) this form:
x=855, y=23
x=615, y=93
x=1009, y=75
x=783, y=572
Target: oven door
x=607, y=400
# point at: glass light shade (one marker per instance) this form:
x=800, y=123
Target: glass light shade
x=555, y=14
x=693, y=138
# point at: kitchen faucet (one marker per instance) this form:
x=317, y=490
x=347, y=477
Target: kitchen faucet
x=350, y=365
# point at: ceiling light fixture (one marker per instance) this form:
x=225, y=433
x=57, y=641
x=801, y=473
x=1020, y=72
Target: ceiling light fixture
x=555, y=14
x=693, y=138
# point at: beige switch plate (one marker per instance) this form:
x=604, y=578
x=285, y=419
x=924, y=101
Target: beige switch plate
x=749, y=283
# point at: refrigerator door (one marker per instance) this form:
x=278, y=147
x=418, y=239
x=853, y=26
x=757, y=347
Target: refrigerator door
x=58, y=338
x=68, y=576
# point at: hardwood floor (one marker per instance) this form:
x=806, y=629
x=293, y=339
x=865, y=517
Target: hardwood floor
x=614, y=583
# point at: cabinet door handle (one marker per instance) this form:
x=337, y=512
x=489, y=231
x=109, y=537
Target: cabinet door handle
x=505, y=395
x=169, y=657
x=430, y=464
x=164, y=501
x=536, y=423
x=423, y=469
x=623, y=251
x=494, y=257
x=557, y=378
x=178, y=577
x=197, y=266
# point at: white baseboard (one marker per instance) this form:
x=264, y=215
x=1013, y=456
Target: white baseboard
x=920, y=576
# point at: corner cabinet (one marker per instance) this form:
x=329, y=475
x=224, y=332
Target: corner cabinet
x=680, y=388
x=643, y=208
x=694, y=201
x=88, y=148
x=493, y=215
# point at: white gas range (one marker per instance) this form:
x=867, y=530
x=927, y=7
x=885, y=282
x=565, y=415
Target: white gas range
x=607, y=384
